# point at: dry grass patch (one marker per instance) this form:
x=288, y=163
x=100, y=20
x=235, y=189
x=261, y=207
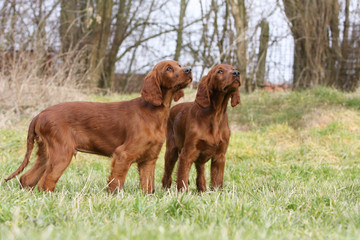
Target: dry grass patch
x=26, y=88
x=321, y=117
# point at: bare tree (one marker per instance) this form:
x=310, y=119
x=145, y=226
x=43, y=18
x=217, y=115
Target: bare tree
x=319, y=57
x=334, y=53
x=221, y=34
x=124, y=85
x=264, y=40
x=349, y=70
x=180, y=29
x=238, y=11
x=310, y=21
x=201, y=51
x=216, y=37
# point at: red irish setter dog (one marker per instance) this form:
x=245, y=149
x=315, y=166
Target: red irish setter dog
x=199, y=130
x=129, y=132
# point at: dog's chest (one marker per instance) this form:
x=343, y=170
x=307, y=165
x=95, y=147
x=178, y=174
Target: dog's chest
x=210, y=147
x=159, y=135
x=155, y=132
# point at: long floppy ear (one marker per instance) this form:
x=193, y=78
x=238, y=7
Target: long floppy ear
x=151, y=90
x=235, y=97
x=203, y=95
x=179, y=94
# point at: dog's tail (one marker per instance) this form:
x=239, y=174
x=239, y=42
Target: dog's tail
x=29, y=148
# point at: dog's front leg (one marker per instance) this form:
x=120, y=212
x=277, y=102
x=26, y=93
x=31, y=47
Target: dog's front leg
x=200, y=176
x=122, y=159
x=217, y=171
x=147, y=175
x=187, y=157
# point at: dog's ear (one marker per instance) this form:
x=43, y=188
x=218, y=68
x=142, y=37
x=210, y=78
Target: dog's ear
x=151, y=90
x=179, y=94
x=203, y=95
x=235, y=98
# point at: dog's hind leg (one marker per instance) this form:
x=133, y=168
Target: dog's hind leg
x=59, y=159
x=171, y=156
x=30, y=178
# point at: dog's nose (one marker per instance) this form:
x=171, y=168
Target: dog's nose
x=187, y=70
x=236, y=73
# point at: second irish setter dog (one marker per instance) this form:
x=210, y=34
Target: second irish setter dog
x=199, y=130
x=129, y=132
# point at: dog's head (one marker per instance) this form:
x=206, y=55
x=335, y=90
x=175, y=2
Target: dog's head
x=165, y=75
x=222, y=78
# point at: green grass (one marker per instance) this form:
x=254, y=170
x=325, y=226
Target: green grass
x=263, y=108
x=293, y=172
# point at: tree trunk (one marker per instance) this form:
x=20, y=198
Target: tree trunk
x=180, y=29
x=264, y=40
x=334, y=53
x=224, y=56
x=238, y=11
x=121, y=27
x=85, y=26
x=100, y=36
x=310, y=21
x=344, y=50
x=349, y=73
x=69, y=32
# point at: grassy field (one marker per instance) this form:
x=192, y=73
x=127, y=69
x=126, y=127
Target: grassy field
x=292, y=172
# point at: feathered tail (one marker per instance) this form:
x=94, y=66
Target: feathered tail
x=29, y=148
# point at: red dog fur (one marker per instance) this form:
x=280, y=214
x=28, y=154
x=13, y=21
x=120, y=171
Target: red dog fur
x=199, y=130
x=129, y=131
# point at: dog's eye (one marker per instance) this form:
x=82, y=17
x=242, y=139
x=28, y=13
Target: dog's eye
x=169, y=69
x=220, y=71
